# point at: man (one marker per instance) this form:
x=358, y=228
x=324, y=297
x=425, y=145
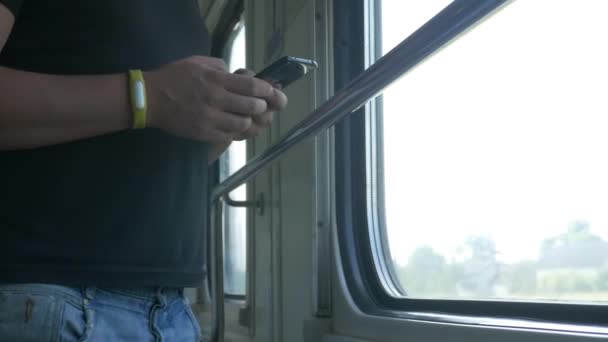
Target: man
x=109, y=112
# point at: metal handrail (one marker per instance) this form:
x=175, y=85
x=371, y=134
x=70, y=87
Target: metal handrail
x=436, y=33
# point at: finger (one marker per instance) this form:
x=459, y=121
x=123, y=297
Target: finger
x=215, y=63
x=251, y=73
x=245, y=72
x=264, y=120
x=240, y=137
x=274, y=83
x=217, y=136
x=277, y=101
x=259, y=123
x=247, y=105
x=232, y=123
x=247, y=85
x=252, y=132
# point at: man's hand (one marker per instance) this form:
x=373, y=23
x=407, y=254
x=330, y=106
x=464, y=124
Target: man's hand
x=276, y=102
x=197, y=98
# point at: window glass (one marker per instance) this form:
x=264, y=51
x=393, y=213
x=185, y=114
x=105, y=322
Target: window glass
x=495, y=155
x=235, y=218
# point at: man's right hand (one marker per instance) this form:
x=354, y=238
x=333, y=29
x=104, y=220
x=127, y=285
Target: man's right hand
x=197, y=98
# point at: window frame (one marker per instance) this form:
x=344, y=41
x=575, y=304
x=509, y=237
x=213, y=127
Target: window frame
x=222, y=39
x=236, y=28
x=374, y=289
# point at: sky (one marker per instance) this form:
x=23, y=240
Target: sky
x=503, y=134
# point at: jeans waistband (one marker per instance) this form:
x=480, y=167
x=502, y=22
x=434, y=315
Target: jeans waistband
x=146, y=293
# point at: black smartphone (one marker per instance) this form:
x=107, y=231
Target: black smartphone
x=286, y=70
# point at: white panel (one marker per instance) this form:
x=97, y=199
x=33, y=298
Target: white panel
x=297, y=186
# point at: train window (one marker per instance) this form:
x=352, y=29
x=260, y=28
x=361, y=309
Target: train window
x=494, y=174
x=235, y=218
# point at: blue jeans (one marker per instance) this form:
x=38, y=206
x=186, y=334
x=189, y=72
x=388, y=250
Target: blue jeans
x=41, y=313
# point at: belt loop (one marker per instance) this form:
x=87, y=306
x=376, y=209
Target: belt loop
x=88, y=294
x=160, y=304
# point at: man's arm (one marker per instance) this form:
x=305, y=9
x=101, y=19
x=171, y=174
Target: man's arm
x=195, y=98
x=38, y=110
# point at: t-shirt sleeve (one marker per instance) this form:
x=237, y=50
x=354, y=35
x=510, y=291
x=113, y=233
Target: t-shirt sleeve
x=12, y=5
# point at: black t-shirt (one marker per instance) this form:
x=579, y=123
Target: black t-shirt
x=125, y=209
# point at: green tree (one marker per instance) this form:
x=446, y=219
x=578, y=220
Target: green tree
x=520, y=278
x=427, y=274
x=571, y=262
x=478, y=273
x=578, y=231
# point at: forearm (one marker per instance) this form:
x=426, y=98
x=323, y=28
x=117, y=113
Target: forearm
x=38, y=109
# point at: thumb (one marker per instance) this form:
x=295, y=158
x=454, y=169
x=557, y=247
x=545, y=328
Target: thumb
x=245, y=72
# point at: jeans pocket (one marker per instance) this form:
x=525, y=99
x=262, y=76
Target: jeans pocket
x=193, y=319
x=26, y=317
x=73, y=324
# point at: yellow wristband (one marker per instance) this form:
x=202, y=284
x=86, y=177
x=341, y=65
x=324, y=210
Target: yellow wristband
x=139, y=106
